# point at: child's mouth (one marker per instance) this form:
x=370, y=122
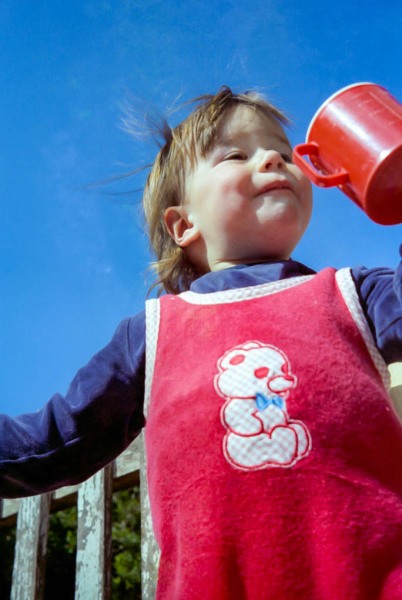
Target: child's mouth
x=275, y=186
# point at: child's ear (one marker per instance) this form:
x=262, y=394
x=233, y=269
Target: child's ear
x=180, y=226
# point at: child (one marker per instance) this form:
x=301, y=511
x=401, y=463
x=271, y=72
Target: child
x=274, y=456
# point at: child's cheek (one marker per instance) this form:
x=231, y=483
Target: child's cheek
x=236, y=183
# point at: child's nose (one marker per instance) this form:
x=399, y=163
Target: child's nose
x=271, y=159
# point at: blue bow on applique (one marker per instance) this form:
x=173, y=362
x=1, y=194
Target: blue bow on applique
x=263, y=402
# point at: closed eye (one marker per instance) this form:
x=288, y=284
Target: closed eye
x=287, y=157
x=235, y=155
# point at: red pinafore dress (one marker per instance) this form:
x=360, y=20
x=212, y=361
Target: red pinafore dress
x=274, y=455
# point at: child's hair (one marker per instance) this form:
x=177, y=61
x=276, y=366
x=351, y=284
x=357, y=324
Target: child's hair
x=193, y=137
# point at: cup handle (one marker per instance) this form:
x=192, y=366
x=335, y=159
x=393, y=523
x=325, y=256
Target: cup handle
x=312, y=149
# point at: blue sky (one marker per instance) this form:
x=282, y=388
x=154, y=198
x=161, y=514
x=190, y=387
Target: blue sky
x=74, y=258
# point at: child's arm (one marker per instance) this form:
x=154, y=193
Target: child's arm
x=380, y=292
x=73, y=436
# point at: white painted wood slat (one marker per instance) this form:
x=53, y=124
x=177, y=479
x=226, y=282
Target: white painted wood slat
x=149, y=548
x=30, y=551
x=94, y=537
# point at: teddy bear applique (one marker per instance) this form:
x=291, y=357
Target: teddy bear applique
x=255, y=379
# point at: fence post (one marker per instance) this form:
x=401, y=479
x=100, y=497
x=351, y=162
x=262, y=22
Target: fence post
x=149, y=547
x=30, y=551
x=94, y=537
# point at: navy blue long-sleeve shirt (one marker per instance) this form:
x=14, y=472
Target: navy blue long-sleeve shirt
x=75, y=435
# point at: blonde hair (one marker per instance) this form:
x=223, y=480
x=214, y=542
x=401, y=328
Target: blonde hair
x=164, y=187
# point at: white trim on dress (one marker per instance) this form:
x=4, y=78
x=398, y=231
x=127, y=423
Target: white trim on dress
x=243, y=293
x=347, y=288
x=152, y=320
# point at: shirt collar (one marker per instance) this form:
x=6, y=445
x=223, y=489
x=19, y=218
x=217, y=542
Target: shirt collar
x=248, y=275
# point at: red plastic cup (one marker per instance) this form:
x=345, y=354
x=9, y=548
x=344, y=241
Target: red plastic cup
x=354, y=142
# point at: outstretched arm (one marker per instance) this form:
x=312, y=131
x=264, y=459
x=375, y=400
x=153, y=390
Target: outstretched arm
x=75, y=435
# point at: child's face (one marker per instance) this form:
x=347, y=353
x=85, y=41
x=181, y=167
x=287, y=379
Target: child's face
x=245, y=201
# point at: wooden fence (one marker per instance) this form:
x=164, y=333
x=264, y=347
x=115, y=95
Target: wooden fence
x=93, y=499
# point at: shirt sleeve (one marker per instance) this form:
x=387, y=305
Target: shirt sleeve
x=380, y=293
x=75, y=435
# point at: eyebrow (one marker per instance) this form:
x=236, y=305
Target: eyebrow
x=282, y=138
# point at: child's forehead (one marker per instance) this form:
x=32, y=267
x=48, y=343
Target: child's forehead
x=242, y=123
